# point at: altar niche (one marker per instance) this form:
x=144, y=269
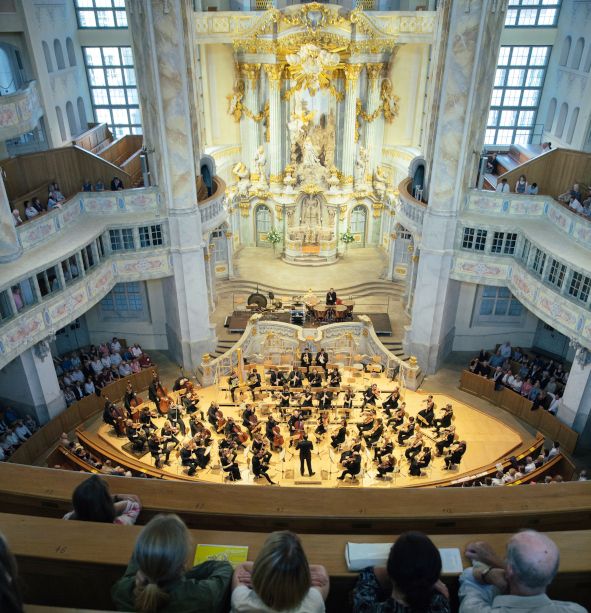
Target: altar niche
x=311, y=230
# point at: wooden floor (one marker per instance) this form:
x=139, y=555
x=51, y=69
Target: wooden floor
x=488, y=439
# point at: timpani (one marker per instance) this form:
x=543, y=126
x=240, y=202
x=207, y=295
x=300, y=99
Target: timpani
x=340, y=312
x=320, y=312
x=349, y=304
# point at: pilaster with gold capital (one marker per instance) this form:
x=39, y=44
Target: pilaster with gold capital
x=374, y=134
x=274, y=75
x=351, y=72
x=249, y=128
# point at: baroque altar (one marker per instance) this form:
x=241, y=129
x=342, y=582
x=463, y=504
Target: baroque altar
x=312, y=93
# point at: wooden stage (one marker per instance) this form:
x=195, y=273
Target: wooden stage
x=488, y=440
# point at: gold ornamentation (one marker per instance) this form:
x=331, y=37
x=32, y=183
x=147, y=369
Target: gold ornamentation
x=347, y=180
x=352, y=72
x=250, y=71
x=206, y=358
x=274, y=72
x=244, y=206
x=410, y=248
x=374, y=71
x=279, y=212
x=412, y=361
x=311, y=189
x=393, y=236
x=276, y=178
x=235, y=105
x=228, y=234
x=377, y=209
x=415, y=258
x=314, y=16
x=342, y=212
x=206, y=257
x=267, y=122
x=389, y=101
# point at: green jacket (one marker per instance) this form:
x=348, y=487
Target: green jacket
x=203, y=588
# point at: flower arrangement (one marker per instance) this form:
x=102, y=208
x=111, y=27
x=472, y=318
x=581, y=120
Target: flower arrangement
x=347, y=237
x=273, y=236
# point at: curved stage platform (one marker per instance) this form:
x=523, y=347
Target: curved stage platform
x=488, y=440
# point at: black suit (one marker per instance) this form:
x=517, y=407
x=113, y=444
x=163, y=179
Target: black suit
x=339, y=437
x=306, y=359
x=322, y=359
x=331, y=298
x=305, y=446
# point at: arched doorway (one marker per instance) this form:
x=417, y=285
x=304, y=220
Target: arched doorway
x=359, y=225
x=262, y=225
x=220, y=252
x=207, y=179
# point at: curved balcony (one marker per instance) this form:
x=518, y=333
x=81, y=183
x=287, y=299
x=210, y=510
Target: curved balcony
x=213, y=209
x=54, y=312
x=20, y=112
x=409, y=210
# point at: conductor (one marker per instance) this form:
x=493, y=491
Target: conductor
x=305, y=446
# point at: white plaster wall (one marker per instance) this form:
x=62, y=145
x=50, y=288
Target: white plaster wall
x=470, y=337
x=149, y=334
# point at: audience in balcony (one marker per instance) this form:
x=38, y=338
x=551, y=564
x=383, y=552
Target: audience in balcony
x=116, y=184
x=87, y=186
x=99, y=186
x=409, y=582
x=156, y=579
x=573, y=192
x=532, y=189
x=18, y=298
x=518, y=582
x=280, y=579
x=30, y=210
x=503, y=187
x=92, y=501
x=16, y=217
x=521, y=186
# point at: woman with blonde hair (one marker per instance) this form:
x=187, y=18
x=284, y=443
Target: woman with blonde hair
x=156, y=579
x=280, y=579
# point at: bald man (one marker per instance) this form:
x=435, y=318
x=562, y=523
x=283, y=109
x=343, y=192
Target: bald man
x=518, y=583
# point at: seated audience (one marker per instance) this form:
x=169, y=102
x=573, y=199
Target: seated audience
x=16, y=217
x=409, y=582
x=156, y=578
x=532, y=190
x=92, y=501
x=503, y=187
x=517, y=583
x=574, y=192
x=116, y=184
x=11, y=600
x=521, y=185
x=87, y=186
x=280, y=579
x=30, y=210
x=99, y=186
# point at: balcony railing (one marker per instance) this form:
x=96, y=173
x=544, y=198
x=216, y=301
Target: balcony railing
x=20, y=112
x=410, y=210
x=213, y=209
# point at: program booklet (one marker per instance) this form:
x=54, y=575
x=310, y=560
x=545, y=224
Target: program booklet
x=235, y=554
x=362, y=555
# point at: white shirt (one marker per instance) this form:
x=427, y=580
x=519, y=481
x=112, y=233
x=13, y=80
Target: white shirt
x=136, y=352
x=115, y=359
x=116, y=346
x=575, y=205
x=530, y=467
x=89, y=388
x=22, y=432
x=553, y=452
x=31, y=212
x=553, y=408
x=503, y=187
x=245, y=600
x=106, y=361
x=97, y=366
x=505, y=350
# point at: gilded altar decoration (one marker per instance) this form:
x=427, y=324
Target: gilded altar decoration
x=237, y=108
x=389, y=101
x=240, y=171
x=311, y=68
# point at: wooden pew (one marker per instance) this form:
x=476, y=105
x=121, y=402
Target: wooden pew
x=75, y=563
x=34, y=490
x=558, y=465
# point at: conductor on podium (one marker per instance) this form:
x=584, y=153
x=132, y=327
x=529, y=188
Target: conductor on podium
x=305, y=447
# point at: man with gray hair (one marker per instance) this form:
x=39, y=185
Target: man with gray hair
x=518, y=583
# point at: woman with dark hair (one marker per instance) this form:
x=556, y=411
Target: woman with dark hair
x=92, y=501
x=10, y=596
x=409, y=583
x=280, y=579
x=157, y=579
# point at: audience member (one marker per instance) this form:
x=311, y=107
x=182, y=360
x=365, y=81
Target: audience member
x=521, y=185
x=280, y=579
x=503, y=186
x=409, y=582
x=92, y=501
x=574, y=192
x=517, y=583
x=30, y=210
x=16, y=217
x=87, y=186
x=156, y=578
x=575, y=205
x=532, y=190
x=10, y=596
x=116, y=184
x=99, y=186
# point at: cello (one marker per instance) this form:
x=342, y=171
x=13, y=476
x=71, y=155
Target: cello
x=278, y=440
x=164, y=401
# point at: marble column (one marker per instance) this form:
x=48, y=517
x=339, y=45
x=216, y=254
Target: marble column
x=9, y=245
x=575, y=408
x=250, y=143
x=30, y=384
x=230, y=249
x=391, y=255
x=274, y=74
x=349, y=146
x=412, y=279
x=469, y=45
x=374, y=134
x=163, y=43
x=208, y=279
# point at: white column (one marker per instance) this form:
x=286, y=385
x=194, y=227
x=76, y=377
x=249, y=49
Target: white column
x=412, y=279
x=250, y=133
x=349, y=146
x=230, y=249
x=374, y=134
x=575, y=408
x=9, y=246
x=274, y=73
x=208, y=277
x=392, y=248
x=462, y=102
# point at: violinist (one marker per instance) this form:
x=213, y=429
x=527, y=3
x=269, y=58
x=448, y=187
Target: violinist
x=186, y=455
x=146, y=421
x=110, y=413
x=324, y=398
x=168, y=435
x=340, y=436
x=233, y=384
x=414, y=447
x=334, y=378
x=315, y=379
x=229, y=465
x=137, y=440
x=386, y=448
x=260, y=465
x=367, y=421
x=295, y=378
x=322, y=422
x=156, y=452
x=254, y=380
x=201, y=454
x=258, y=443
x=375, y=434
x=445, y=420
x=421, y=460
x=348, y=399
x=386, y=466
x=370, y=395
x=397, y=418
x=284, y=398
x=445, y=439
x=306, y=359
x=212, y=414
x=354, y=447
x=174, y=416
x=406, y=431
x=427, y=415
x=352, y=466
x=391, y=402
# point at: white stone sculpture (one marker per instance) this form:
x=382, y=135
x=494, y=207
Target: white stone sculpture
x=379, y=182
x=361, y=167
x=260, y=167
x=243, y=182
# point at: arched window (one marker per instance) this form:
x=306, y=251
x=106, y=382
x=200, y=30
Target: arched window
x=47, y=55
x=359, y=224
x=71, y=51
x=561, y=120
x=572, y=125
x=60, y=122
x=550, y=115
x=71, y=119
x=59, y=54
x=577, y=54
x=564, y=53
x=82, y=114
x=7, y=80
x=263, y=225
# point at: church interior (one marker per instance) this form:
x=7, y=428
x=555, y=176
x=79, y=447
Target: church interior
x=319, y=267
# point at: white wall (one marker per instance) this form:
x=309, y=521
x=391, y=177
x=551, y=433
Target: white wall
x=150, y=334
x=470, y=337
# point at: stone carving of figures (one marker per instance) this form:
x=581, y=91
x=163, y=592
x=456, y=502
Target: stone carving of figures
x=311, y=211
x=332, y=213
x=243, y=182
x=379, y=182
x=260, y=165
x=361, y=166
x=333, y=180
x=235, y=101
x=310, y=157
x=290, y=213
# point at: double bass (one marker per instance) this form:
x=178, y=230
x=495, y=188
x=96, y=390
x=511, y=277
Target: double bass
x=278, y=440
x=220, y=421
x=164, y=401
